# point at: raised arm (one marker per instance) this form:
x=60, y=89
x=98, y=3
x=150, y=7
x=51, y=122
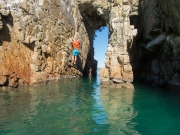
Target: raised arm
x=71, y=39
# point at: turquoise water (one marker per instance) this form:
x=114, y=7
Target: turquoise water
x=81, y=107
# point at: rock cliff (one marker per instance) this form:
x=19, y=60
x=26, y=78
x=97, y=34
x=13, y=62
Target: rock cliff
x=156, y=50
x=152, y=54
x=143, y=41
x=35, y=42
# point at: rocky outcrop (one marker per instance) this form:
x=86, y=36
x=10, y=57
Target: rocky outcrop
x=118, y=68
x=35, y=45
x=156, y=52
x=35, y=35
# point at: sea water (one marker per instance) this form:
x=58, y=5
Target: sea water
x=82, y=107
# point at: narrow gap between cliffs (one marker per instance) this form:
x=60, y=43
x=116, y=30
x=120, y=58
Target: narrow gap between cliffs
x=100, y=45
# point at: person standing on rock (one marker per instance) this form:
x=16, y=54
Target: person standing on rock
x=75, y=52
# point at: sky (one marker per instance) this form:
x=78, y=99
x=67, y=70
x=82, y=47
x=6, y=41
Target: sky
x=100, y=46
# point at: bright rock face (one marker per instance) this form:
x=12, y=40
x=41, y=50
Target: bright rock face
x=35, y=42
x=118, y=72
x=143, y=41
x=35, y=45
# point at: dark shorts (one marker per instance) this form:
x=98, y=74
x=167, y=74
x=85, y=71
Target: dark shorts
x=75, y=52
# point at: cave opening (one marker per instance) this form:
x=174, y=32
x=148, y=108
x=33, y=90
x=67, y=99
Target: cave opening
x=121, y=34
x=96, y=24
x=100, y=45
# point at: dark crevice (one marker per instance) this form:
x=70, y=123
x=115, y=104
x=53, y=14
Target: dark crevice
x=92, y=22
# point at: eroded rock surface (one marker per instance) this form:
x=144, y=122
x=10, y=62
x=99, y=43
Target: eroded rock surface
x=156, y=52
x=35, y=35
x=35, y=45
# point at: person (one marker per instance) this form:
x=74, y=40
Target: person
x=75, y=52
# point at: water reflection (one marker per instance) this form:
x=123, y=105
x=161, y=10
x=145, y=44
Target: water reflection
x=69, y=108
x=118, y=105
x=12, y=107
x=114, y=109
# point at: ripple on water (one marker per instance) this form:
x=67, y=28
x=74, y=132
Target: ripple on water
x=81, y=106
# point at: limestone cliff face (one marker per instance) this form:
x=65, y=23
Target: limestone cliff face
x=118, y=72
x=34, y=41
x=156, y=51
x=35, y=35
x=152, y=54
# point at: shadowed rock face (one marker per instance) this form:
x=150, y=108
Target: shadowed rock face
x=95, y=19
x=156, y=51
x=143, y=41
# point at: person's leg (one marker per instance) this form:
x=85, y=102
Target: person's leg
x=75, y=56
x=72, y=60
x=75, y=59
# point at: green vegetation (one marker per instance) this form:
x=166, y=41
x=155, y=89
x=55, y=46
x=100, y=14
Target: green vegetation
x=123, y=15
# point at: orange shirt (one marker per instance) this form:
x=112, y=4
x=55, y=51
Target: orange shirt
x=76, y=44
